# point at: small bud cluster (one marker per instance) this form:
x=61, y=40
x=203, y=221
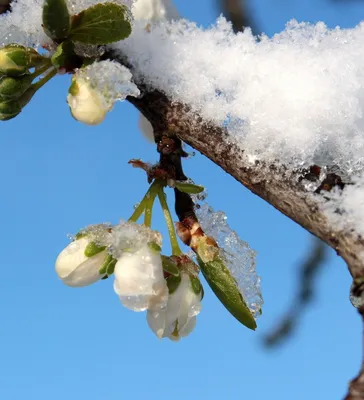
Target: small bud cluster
x=15, y=78
x=75, y=34
x=167, y=287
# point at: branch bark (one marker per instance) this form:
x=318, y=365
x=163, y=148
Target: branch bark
x=286, y=193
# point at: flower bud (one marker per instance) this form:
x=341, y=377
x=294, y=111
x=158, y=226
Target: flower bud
x=178, y=319
x=86, y=103
x=9, y=109
x=11, y=88
x=80, y=263
x=139, y=279
x=15, y=60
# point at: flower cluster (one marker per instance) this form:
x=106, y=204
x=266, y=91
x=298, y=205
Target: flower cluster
x=16, y=87
x=167, y=287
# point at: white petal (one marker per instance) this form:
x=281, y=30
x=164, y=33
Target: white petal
x=188, y=328
x=88, y=272
x=71, y=257
x=87, y=105
x=146, y=128
x=156, y=321
x=140, y=282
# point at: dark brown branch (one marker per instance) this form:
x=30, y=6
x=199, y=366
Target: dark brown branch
x=236, y=11
x=273, y=184
x=356, y=386
x=4, y=6
x=285, y=193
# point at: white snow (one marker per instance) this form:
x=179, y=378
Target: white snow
x=110, y=79
x=23, y=25
x=240, y=258
x=295, y=99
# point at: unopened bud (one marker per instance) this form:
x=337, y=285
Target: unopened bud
x=12, y=88
x=86, y=103
x=15, y=60
x=9, y=110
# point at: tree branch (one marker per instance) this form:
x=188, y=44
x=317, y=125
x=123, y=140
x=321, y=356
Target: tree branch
x=286, y=193
x=273, y=184
x=4, y=6
x=236, y=11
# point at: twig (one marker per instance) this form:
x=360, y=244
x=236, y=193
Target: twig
x=304, y=295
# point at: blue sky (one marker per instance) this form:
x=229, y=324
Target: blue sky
x=61, y=343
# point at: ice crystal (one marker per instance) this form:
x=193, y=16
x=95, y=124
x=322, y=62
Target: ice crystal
x=240, y=258
x=110, y=79
x=131, y=237
x=295, y=99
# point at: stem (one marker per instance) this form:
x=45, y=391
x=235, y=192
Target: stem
x=176, y=251
x=149, y=202
x=44, y=80
x=40, y=70
x=150, y=195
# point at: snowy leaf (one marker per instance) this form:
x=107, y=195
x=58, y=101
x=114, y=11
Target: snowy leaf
x=56, y=19
x=226, y=289
x=101, y=24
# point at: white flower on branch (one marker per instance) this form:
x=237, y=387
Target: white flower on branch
x=96, y=88
x=80, y=262
x=179, y=318
x=86, y=104
x=139, y=279
x=154, y=10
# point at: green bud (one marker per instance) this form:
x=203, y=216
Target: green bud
x=9, y=110
x=15, y=60
x=11, y=88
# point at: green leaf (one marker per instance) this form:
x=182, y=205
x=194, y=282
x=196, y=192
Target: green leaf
x=169, y=266
x=224, y=286
x=101, y=24
x=92, y=249
x=65, y=57
x=189, y=187
x=173, y=283
x=56, y=19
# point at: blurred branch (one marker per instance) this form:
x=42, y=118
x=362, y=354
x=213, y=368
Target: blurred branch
x=4, y=6
x=236, y=11
x=308, y=272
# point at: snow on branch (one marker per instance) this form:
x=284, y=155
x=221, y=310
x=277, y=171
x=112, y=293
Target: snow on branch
x=291, y=101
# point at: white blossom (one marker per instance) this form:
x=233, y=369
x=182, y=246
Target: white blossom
x=86, y=104
x=154, y=10
x=139, y=279
x=75, y=268
x=178, y=319
x=96, y=88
